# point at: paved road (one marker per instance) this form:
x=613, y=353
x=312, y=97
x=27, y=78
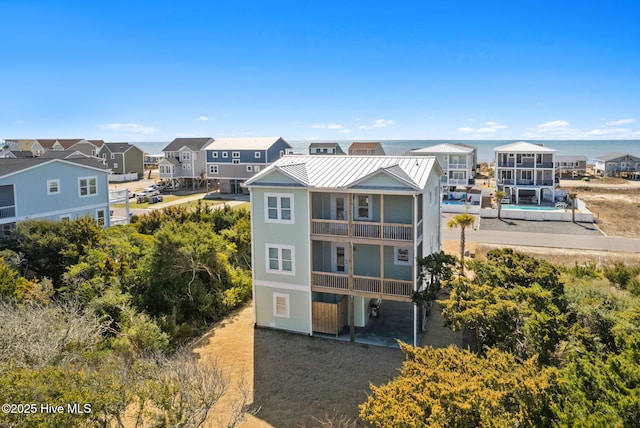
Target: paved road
x=581, y=242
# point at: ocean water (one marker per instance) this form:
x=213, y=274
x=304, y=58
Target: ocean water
x=592, y=149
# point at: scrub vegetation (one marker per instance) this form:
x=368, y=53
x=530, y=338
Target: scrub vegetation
x=104, y=317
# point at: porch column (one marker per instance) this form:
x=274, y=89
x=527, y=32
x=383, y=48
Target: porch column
x=414, y=267
x=352, y=305
x=381, y=249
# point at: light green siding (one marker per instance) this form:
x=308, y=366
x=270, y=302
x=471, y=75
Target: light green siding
x=398, y=209
x=276, y=177
x=366, y=260
x=298, y=319
x=393, y=270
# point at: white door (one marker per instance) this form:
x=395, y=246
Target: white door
x=339, y=258
x=339, y=207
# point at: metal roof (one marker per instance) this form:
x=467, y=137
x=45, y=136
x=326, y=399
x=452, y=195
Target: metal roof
x=523, y=147
x=442, y=148
x=10, y=166
x=244, y=143
x=614, y=156
x=342, y=172
x=193, y=144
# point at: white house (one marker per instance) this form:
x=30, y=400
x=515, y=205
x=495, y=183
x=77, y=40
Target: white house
x=458, y=163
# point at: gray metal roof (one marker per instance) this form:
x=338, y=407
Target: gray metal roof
x=118, y=147
x=614, y=156
x=193, y=144
x=10, y=166
x=341, y=172
x=570, y=158
x=443, y=148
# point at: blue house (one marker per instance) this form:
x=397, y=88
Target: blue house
x=232, y=161
x=55, y=189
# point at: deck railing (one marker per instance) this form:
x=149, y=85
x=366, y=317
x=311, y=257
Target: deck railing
x=363, y=284
x=362, y=229
x=8, y=211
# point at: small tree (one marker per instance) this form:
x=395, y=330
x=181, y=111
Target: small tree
x=499, y=197
x=463, y=221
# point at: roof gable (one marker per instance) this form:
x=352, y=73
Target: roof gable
x=523, y=147
x=193, y=144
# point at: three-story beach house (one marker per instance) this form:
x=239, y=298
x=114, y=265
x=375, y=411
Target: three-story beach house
x=458, y=163
x=185, y=162
x=525, y=172
x=53, y=189
x=123, y=158
x=231, y=161
x=332, y=234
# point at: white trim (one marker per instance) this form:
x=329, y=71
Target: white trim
x=49, y=182
x=235, y=155
x=89, y=194
x=249, y=168
x=214, y=154
x=84, y=209
x=278, y=208
x=104, y=216
x=211, y=171
x=280, y=259
x=396, y=251
x=334, y=257
x=356, y=205
x=334, y=197
x=225, y=154
x=79, y=165
x=281, y=285
x=287, y=305
x=257, y=155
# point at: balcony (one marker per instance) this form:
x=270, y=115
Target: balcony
x=457, y=182
x=453, y=165
x=7, y=211
x=362, y=285
x=359, y=229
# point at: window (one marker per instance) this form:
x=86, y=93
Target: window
x=100, y=214
x=281, y=153
x=185, y=156
x=257, y=155
x=213, y=169
x=280, y=259
x=115, y=164
x=363, y=207
x=235, y=161
x=235, y=154
x=278, y=208
x=104, y=156
x=402, y=256
x=214, y=154
x=249, y=168
x=225, y=154
x=256, y=168
x=88, y=186
x=113, y=156
x=65, y=217
x=53, y=187
x=281, y=305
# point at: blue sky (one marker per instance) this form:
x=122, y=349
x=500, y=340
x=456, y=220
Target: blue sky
x=344, y=70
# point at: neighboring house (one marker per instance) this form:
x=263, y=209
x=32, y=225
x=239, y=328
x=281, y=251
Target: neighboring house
x=185, y=162
x=618, y=165
x=366, y=149
x=525, y=172
x=151, y=161
x=232, y=161
x=571, y=165
x=53, y=189
x=88, y=147
x=458, y=163
x=340, y=230
x=55, y=154
x=325, y=149
x=123, y=158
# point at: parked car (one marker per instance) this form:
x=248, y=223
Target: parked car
x=148, y=191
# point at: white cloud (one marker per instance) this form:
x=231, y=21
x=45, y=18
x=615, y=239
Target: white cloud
x=380, y=123
x=129, y=127
x=344, y=131
x=609, y=132
x=620, y=122
x=490, y=128
x=334, y=126
x=555, y=124
x=204, y=118
x=318, y=126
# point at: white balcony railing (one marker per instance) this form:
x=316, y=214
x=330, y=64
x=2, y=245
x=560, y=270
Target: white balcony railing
x=363, y=284
x=8, y=211
x=363, y=229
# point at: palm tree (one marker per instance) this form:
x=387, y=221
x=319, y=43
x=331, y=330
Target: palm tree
x=499, y=197
x=463, y=221
x=573, y=196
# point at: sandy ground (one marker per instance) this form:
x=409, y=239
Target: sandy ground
x=614, y=202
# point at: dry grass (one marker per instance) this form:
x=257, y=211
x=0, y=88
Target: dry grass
x=614, y=202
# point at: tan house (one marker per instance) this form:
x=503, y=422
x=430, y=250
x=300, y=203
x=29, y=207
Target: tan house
x=366, y=149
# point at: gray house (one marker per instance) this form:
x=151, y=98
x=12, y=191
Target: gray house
x=231, y=161
x=123, y=158
x=185, y=163
x=618, y=165
x=325, y=149
x=571, y=165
